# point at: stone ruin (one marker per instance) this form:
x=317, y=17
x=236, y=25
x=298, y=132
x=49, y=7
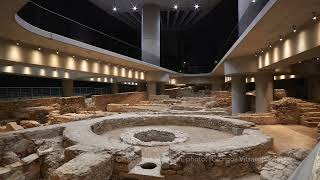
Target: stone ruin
x=48, y=140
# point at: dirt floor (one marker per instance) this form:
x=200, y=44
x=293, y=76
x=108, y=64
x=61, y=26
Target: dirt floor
x=290, y=136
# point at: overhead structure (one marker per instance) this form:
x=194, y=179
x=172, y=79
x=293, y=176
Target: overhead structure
x=177, y=14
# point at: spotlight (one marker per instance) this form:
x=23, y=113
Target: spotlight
x=175, y=7
x=73, y=56
x=39, y=48
x=294, y=29
x=281, y=39
x=18, y=44
x=318, y=58
x=262, y=51
x=134, y=8
x=196, y=6
x=314, y=16
x=253, y=1
x=256, y=55
x=300, y=62
x=57, y=52
x=114, y=8
x=270, y=45
x=184, y=62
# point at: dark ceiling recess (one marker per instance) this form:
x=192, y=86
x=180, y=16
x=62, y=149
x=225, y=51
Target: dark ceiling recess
x=183, y=39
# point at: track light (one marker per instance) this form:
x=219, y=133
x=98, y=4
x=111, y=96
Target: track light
x=281, y=39
x=270, y=45
x=114, y=8
x=57, y=52
x=18, y=44
x=73, y=56
x=196, y=6
x=39, y=48
x=175, y=7
x=253, y=1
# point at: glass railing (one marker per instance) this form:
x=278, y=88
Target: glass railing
x=44, y=18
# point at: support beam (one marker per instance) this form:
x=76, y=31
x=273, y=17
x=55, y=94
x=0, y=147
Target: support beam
x=238, y=85
x=264, y=92
x=67, y=86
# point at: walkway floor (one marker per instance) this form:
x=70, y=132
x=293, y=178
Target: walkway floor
x=290, y=136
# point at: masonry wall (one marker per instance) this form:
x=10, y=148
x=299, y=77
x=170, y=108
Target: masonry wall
x=101, y=101
x=7, y=109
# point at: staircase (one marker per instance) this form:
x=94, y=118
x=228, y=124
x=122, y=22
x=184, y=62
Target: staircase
x=310, y=113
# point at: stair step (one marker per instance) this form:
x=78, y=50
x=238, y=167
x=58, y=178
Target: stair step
x=310, y=124
x=311, y=119
x=310, y=109
x=311, y=114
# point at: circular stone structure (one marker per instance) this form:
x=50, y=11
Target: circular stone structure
x=153, y=137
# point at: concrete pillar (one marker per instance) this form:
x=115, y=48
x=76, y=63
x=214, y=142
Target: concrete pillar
x=264, y=92
x=313, y=88
x=114, y=88
x=151, y=88
x=160, y=87
x=150, y=36
x=141, y=86
x=67, y=85
x=217, y=84
x=238, y=93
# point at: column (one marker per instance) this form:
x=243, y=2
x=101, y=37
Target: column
x=313, y=88
x=151, y=88
x=141, y=87
x=67, y=86
x=217, y=84
x=114, y=88
x=238, y=93
x=264, y=92
x=150, y=36
x=160, y=87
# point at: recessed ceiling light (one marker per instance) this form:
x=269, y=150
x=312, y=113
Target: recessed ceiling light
x=281, y=39
x=299, y=62
x=39, y=48
x=18, y=44
x=314, y=16
x=57, y=52
x=253, y=1
x=134, y=8
x=270, y=45
x=175, y=7
x=262, y=51
x=114, y=8
x=294, y=29
x=196, y=6
x=73, y=56
x=318, y=58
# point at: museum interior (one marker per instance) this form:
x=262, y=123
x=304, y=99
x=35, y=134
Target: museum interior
x=159, y=89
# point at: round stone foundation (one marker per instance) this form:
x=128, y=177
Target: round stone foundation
x=153, y=137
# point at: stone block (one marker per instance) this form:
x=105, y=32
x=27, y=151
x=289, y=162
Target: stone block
x=86, y=166
x=29, y=124
x=117, y=107
x=13, y=126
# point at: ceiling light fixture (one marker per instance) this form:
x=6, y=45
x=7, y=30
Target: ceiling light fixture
x=73, y=56
x=114, y=8
x=294, y=29
x=175, y=7
x=134, y=8
x=281, y=39
x=196, y=6
x=39, y=48
x=57, y=52
x=270, y=45
x=18, y=44
x=314, y=16
x=253, y=1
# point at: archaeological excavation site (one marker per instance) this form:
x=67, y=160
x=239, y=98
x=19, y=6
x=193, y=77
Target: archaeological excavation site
x=159, y=89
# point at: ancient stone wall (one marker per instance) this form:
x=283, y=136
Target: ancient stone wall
x=287, y=111
x=10, y=108
x=179, y=92
x=101, y=101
